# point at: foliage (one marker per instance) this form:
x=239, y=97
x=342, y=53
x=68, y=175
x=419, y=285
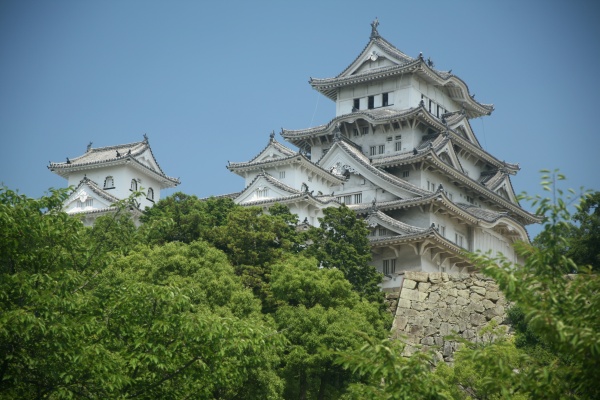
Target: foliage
x=78, y=319
x=184, y=218
x=584, y=243
x=342, y=242
x=561, y=310
x=389, y=375
x=319, y=312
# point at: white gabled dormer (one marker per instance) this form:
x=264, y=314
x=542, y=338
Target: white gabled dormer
x=113, y=173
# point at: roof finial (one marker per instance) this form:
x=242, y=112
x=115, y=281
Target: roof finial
x=337, y=134
x=145, y=138
x=272, y=136
x=89, y=147
x=374, y=25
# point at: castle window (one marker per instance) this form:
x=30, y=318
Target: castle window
x=389, y=266
x=262, y=192
x=381, y=148
x=459, y=239
x=396, y=125
x=281, y=174
x=150, y=195
x=442, y=230
x=372, y=150
x=382, y=232
x=398, y=146
x=355, y=132
x=405, y=174
x=134, y=185
x=384, y=100
x=365, y=130
x=109, y=183
x=389, y=139
x=356, y=104
x=358, y=198
x=371, y=102
x=470, y=199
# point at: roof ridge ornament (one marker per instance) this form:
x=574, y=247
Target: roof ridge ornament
x=374, y=25
x=337, y=134
x=272, y=136
x=145, y=138
x=89, y=147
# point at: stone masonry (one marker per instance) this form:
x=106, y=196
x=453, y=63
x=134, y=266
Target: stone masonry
x=431, y=306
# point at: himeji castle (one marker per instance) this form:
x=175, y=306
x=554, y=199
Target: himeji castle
x=401, y=153
x=103, y=176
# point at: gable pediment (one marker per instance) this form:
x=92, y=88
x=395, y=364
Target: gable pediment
x=87, y=197
x=264, y=188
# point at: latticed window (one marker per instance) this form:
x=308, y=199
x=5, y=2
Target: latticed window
x=389, y=266
x=134, y=185
x=109, y=182
x=262, y=192
x=358, y=198
x=150, y=195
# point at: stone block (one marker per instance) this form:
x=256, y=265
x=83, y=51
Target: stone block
x=461, y=301
x=417, y=305
x=400, y=323
x=445, y=328
x=408, y=284
x=392, y=295
x=416, y=276
x=474, y=297
x=491, y=295
x=409, y=294
x=479, y=283
x=424, y=286
x=435, y=277
x=451, y=300
x=477, y=319
x=434, y=297
x=488, y=303
x=428, y=341
x=447, y=349
x=445, y=277
x=475, y=307
x=430, y=330
x=463, y=293
x=445, y=314
x=438, y=340
x=479, y=290
x=403, y=303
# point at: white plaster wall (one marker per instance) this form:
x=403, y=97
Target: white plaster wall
x=122, y=176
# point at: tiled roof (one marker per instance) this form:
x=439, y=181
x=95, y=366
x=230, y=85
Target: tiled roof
x=111, y=155
x=481, y=213
x=401, y=226
x=374, y=115
x=365, y=162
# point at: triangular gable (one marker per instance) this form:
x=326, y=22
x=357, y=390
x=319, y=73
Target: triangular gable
x=464, y=130
x=505, y=189
x=264, y=187
x=342, y=155
x=377, y=53
x=147, y=159
x=273, y=151
x=448, y=155
x=88, y=197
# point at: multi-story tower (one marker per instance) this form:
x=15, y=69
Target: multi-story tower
x=401, y=152
x=102, y=176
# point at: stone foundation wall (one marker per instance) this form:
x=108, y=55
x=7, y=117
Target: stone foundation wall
x=431, y=306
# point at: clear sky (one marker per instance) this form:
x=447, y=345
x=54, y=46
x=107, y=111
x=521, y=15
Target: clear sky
x=208, y=81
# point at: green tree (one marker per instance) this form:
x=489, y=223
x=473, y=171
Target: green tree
x=584, y=243
x=561, y=310
x=80, y=319
x=184, y=218
x=319, y=312
x=342, y=242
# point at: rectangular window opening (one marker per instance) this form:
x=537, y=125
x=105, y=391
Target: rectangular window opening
x=371, y=102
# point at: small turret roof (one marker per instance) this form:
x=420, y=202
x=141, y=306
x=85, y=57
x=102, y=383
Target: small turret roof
x=401, y=64
x=114, y=155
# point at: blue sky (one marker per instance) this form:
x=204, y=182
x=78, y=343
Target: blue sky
x=208, y=81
